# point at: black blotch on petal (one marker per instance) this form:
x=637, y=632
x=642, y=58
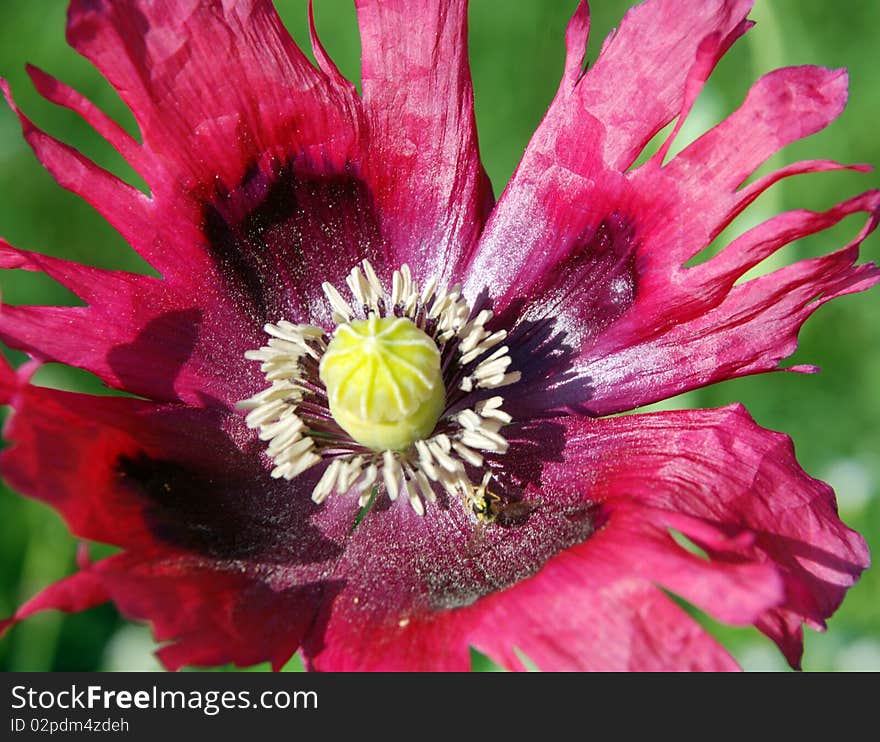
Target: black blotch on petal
x=223, y=516
x=540, y=353
x=280, y=233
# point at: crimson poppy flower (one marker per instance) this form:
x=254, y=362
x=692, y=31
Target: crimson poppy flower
x=377, y=409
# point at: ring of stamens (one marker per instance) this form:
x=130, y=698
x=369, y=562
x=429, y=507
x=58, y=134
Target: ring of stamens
x=293, y=414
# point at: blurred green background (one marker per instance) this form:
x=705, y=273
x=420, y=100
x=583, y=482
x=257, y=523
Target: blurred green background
x=516, y=55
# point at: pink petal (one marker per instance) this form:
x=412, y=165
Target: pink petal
x=593, y=127
x=230, y=259
x=224, y=561
x=425, y=167
x=227, y=106
x=592, y=257
x=213, y=86
x=640, y=546
x=128, y=210
x=648, y=60
x=202, y=526
x=79, y=592
x=751, y=330
x=205, y=614
x=134, y=474
x=210, y=614
x=264, y=182
x=581, y=614
x=63, y=95
x=736, y=491
x=135, y=333
x=778, y=556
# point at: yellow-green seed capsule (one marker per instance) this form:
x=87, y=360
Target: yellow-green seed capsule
x=383, y=381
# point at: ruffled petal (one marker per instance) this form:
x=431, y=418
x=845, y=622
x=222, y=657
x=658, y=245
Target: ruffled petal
x=132, y=473
x=136, y=333
x=257, y=152
x=432, y=192
x=204, y=614
x=228, y=564
x=129, y=211
x=775, y=553
x=63, y=95
x=267, y=177
x=649, y=59
x=214, y=86
x=592, y=128
x=580, y=614
x=598, y=254
x=208, y=614
x=741, y=328
x=79, y=592
x=252, y=158
x=751, y=330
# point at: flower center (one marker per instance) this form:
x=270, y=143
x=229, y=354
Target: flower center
x=400, y=399
x=383, y=382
